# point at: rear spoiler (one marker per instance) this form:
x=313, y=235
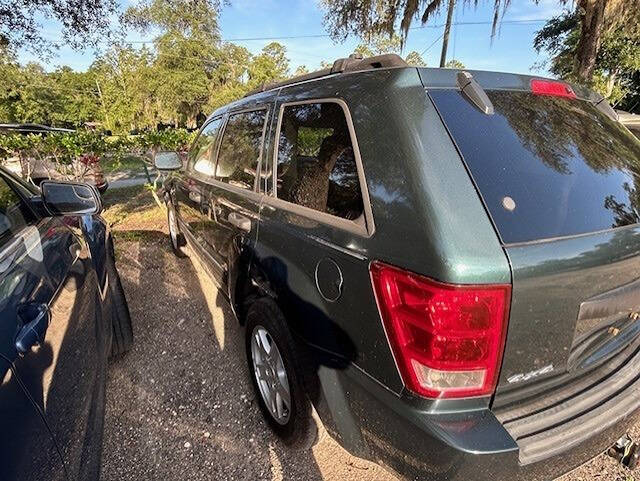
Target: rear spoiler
x=440, y=78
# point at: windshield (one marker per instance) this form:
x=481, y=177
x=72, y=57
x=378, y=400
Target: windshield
x=546, y=166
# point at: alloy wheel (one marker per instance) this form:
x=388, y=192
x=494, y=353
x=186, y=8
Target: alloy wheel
x=271, y=375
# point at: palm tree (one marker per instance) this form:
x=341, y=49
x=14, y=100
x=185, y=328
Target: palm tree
x=373, y=17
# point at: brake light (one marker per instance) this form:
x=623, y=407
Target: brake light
x=553, y=88
x=447, y=339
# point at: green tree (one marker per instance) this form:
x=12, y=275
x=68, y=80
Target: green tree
x=615, y=72
x=415, y=59
x=84, y=22
x=301, y=70
x=126, y=84
x=230, y=77
x=271, y=65
x=453, y=63
x=367, y=18
x=381, y=44
x=186, y=52
x=599, y=18
x=370, y=18
x=78, y=100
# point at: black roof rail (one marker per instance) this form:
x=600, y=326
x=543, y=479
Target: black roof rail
x=353, y=63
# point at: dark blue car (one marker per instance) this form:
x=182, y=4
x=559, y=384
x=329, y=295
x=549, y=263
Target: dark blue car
x=63, y=313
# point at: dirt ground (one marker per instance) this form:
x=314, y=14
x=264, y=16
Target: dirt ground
x=179, y=405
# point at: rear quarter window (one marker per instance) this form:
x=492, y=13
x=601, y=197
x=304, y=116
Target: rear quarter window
x=316, y=164
x=546, y=166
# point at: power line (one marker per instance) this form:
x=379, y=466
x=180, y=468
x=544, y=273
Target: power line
x=326, y=35
x=432, y=44
x=216, y=62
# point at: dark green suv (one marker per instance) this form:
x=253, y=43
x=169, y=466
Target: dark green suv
x=444, y=265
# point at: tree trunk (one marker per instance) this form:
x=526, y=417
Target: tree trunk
x=592, y=20
x=447, y=29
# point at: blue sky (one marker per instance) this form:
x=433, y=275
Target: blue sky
x=510, y=51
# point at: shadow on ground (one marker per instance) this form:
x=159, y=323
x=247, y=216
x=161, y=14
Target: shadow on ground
x=180, y=405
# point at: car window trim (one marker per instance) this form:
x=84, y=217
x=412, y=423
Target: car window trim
x=262, y=139
x=324, y=217
x=249, y=194
x=25, y=201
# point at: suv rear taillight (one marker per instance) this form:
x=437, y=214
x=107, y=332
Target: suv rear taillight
x=447, y=339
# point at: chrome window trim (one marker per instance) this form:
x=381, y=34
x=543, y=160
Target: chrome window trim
x=260, y=155
x=249, y=194
x=323, y=217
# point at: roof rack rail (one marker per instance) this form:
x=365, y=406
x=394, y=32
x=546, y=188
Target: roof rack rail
x=353, y=63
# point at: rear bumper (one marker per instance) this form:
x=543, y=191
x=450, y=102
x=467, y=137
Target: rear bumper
x=399, y=433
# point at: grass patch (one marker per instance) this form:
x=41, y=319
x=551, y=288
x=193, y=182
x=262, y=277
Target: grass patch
x=132, y=208
x=125, y=163
x=128, y=235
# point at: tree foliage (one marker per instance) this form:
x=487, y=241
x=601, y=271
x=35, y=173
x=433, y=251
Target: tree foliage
x=617, y=64
x=370, y=18
x=83, y=22
x=599, y=18
x=66, y=149
x=177, y=80
x=381, y=44
x=453, y=63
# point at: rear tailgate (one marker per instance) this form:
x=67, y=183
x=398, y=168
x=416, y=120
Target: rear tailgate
x=560, y=182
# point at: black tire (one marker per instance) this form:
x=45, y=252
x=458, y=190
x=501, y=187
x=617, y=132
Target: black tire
x=176, y=238
x=122, y=341
x=300, y=430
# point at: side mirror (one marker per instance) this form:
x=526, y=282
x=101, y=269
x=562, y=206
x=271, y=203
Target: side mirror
x=167, y=160
x=70, y=198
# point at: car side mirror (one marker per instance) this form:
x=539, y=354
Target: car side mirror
x=70, y=198
x=167, y=160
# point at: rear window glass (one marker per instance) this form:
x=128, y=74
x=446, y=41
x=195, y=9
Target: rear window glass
x=546, y=166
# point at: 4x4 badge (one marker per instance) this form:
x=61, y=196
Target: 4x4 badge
x=530, y=375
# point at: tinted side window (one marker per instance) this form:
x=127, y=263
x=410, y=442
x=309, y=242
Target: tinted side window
x=316, y=162
x=202, y=152
x=241, y=148
x=13, y=214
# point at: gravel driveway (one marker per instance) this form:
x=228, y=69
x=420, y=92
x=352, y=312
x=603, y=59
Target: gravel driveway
x=179, y=405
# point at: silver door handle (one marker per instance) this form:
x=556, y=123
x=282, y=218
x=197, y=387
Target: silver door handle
x=239, y=221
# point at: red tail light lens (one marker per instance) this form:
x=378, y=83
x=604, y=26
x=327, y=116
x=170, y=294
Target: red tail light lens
x=551, y=87
x=447, y=339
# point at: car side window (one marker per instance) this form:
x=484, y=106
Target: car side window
x=202, y=152
x=241, y=148
x=14, y=215
x=316, y=162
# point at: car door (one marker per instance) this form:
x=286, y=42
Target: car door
x=53, y=301
x=27, y=447
x=314, y=226
x=232, y=194
x=192, y=193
